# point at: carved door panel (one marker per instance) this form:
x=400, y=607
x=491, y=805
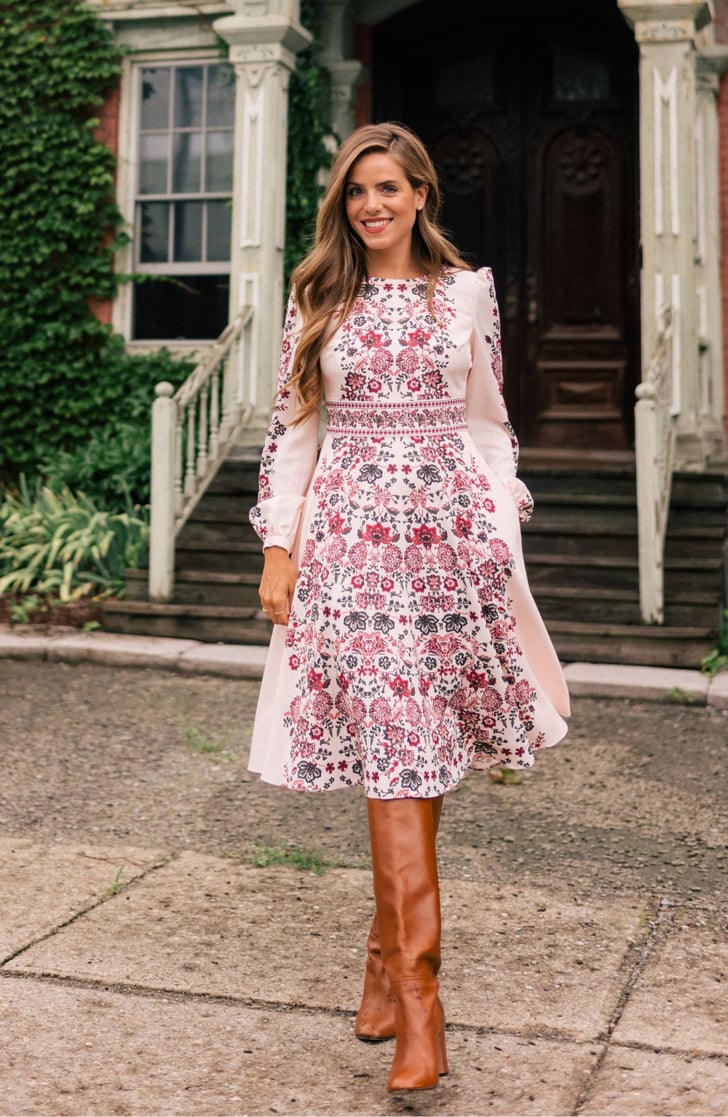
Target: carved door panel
x=534, y=136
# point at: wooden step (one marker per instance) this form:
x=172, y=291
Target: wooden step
x=646, y=645
x=207, y=623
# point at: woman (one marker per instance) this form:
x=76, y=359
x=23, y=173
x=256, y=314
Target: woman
x=407, y=647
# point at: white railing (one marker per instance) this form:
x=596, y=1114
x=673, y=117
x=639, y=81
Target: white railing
x=655, y=423
x=192, y=430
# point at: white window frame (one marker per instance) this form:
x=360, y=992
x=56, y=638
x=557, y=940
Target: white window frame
x=127, y=197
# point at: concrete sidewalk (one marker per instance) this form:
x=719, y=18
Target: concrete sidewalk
x=245, y=661
x=135, y=981
x=160, y=980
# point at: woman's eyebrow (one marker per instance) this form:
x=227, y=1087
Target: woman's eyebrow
x=385, y=182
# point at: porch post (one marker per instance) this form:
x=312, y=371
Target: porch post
x=346, y=72
x=263, y=38
x=712, y=62
x=666, y=32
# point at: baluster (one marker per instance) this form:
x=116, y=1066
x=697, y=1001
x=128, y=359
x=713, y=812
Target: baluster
x=215, y=414
x=178, y=444
x=202, y=434
x=190, y=482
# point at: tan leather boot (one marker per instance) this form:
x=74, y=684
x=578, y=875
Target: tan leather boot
x=406, y=888
x=375, y=1018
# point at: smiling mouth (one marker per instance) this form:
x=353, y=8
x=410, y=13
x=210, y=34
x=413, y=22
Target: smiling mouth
x=376, y=226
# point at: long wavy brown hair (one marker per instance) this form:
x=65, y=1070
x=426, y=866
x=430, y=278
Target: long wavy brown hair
x=330, y=276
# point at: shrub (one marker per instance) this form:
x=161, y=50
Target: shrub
x=62, y=544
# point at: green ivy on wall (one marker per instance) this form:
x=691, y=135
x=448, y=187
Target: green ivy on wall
x=71, y=394
x=309, y=129
x=62, y=372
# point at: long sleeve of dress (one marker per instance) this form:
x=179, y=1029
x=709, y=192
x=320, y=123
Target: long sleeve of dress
x=487, y=416
x=289, y=454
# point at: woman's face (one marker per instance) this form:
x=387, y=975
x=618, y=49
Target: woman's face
x=381, y=207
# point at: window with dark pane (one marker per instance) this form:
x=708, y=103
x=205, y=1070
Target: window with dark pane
x=183, y=200
x=579, y=77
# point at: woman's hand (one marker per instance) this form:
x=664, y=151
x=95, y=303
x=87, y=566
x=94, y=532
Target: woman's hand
x=277, y=584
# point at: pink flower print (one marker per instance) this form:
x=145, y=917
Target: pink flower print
x=377, y=534
x=520, y=692
x=500, y=551
x=315, y=679
x=370, y=339
x=355, y=381
x=322, y=704
x=491, y=700
x=337, y=524
x=336, y=548
x=407, y=361
x=432, y=379
x=446, y=557
x=358, y=556
x=463, y=526
x=426, y=536
x=414, y=711
x=414, y=385
x=413, y=559
x=400, y=686
x=381, y=711
x=368, y=643
x=381, y=361
x=374, y=386
x=391, y=557
x=418, y=337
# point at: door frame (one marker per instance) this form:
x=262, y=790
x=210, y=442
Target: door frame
x=673, y=36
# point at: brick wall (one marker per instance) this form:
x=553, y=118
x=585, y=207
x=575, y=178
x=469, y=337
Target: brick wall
x=107, y=131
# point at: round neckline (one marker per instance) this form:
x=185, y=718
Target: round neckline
x=395, y=278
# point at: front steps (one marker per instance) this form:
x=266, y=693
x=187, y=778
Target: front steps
x=581, y=555
x=580, y=550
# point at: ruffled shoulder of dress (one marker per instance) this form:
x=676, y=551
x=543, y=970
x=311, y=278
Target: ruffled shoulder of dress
x=475, y=284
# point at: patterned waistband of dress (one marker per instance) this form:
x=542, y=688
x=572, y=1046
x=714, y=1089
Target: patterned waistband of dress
x=429, y=417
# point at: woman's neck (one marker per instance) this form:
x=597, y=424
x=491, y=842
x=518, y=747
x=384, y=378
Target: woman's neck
x=400, y=266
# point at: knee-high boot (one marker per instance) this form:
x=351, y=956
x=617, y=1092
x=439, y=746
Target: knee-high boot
x=406, y=888
x=375, y=1018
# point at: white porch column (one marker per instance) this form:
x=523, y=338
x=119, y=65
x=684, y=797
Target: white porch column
x=666, y=33
x=264, y=37
x=346, y=72
x=712, y=62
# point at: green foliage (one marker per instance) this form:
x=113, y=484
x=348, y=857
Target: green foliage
x=75, y=403
x=309, y=129
x=62, y=544
x=113, y=466
x=717, y=660
x=61, y=369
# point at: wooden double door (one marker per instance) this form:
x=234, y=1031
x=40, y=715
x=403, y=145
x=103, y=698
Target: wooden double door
x=532, y=121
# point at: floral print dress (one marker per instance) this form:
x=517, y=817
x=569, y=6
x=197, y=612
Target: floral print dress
x=414, y=650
